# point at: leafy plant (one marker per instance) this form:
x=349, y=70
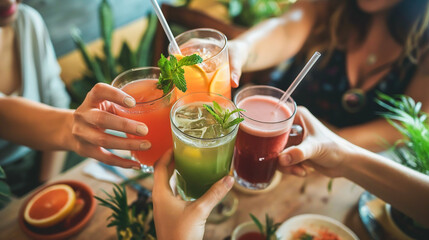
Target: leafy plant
x=132, y=222
x=406, y=116
x=5, y=192
x=269, y=229
x=102, y=69
x=250, y=12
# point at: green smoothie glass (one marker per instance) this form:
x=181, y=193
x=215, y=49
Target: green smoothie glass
x=202, y=148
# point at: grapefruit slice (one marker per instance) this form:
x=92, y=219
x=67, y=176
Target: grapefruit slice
x=196, y=78
x=221, y=82
x=50, y=206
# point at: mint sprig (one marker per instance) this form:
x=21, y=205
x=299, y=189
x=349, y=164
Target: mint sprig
x=222, y=115
x=172, y=73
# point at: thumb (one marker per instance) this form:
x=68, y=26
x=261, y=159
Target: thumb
x=308, y=149
x=214, y=195
x=235, y=74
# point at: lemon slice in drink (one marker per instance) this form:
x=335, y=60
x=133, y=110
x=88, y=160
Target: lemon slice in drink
x=50, y=206
x=196, y=78
x=192, y=152
x=221, y=82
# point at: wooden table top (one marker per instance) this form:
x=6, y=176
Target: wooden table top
x=286, y=200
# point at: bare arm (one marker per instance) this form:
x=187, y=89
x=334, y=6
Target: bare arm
x=272, y=41
x=21, y=120
x=405, y=189
x=372, y=135
x=83, y=130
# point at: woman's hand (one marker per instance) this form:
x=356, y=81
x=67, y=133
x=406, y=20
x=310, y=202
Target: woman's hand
x=237, y=52
x=321, y=149
x=95, y=115
x=176, y=218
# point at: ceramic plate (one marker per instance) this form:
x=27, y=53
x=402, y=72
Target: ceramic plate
x=60, y=231
x=312, y=224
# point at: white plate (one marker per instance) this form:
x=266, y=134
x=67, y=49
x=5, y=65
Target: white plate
x=312, y=223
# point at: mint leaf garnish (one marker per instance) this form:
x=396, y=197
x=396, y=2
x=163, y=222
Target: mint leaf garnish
x=172, y=73
x=222, y=115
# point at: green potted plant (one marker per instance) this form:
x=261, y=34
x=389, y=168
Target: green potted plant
x=105, y=68
x=250, y=12
x=411, y=151
x=132, y=222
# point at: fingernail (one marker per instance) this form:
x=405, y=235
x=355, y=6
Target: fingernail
x=234, y=78
x=136, y=167
x=142, y=130
x=145, y=145
x=285, y=159
x=228, y=181
x=129, y=101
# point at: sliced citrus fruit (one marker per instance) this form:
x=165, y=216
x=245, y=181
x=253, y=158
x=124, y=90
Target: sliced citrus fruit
x=196, y=78
x=192, y=152
x=50, y=206
x=221, y=82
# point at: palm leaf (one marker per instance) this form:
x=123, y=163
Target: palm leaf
x=143, y=53
x=406, y=116
x=107, y=26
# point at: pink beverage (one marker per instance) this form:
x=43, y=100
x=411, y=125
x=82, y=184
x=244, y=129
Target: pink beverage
x=261, y=136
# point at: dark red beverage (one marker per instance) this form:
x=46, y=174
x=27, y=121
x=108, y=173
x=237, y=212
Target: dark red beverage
x=252, y=236
x=261, y=137
x=255, y=158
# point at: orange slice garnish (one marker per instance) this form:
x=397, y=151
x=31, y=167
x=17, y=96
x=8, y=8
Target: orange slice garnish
x=196, y=78
x=221, y=82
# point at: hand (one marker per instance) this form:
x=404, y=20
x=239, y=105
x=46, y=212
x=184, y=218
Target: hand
x=237, y=52
x=321, y=149
x=176, y=218
x=95, y=115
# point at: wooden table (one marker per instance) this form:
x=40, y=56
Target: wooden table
x=284, y=201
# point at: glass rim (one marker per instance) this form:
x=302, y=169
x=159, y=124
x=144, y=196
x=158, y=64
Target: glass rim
x=139, y=69
x=198, y=138
x=225, y=40
x=272, y=88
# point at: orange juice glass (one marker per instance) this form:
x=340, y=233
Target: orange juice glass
x=152, y=108
x=212, y=75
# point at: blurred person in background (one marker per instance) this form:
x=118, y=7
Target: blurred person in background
x=34, y=106
x=366, y=45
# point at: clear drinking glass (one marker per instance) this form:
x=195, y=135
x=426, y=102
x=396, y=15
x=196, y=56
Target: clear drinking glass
x=152, y=108
x=262, y=135
x=212, y=75
x=202, y=148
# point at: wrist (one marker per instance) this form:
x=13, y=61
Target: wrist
x=66, y=138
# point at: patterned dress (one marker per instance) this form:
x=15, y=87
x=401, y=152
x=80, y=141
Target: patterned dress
x=322, y=89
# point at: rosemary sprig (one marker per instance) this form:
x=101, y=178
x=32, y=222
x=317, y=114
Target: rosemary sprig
x=269, y=229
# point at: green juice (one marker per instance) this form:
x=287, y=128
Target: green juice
x=202, y=149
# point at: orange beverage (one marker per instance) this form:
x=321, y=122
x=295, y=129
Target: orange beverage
x=212, y=75
x=152, y=108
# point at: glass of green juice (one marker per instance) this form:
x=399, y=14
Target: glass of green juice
x=203, y=150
